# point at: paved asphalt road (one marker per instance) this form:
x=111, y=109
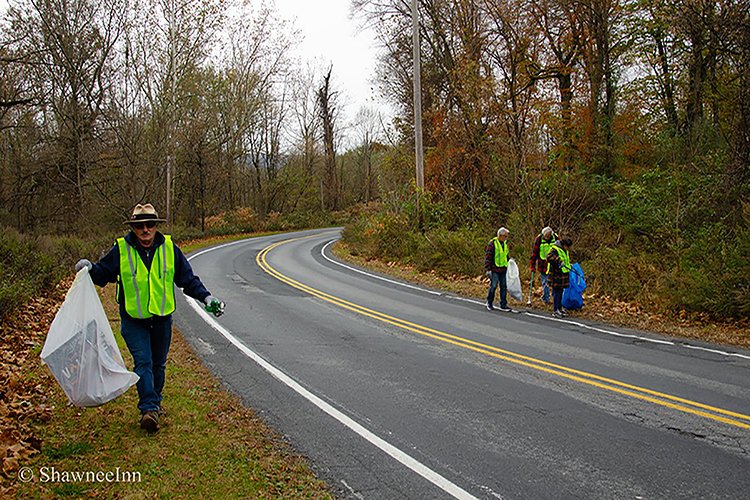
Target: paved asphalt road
x=398, y=392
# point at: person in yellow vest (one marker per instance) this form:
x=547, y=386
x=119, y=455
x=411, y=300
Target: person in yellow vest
x=558, y=273
x=146, y=265
x=542, y=245
x=496, y=267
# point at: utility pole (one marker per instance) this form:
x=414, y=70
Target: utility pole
x=417, y=105
x=172, y=108
x=169, y=191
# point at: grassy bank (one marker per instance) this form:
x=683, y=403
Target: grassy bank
x=31, y=265
x=634, y=243
x=209, y=445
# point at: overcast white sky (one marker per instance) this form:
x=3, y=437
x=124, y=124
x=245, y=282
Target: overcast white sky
x=332, y=38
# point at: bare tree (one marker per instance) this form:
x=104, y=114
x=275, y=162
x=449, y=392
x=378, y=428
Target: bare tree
x=168, y=42
x=68, y=47
x=327, y=100
x=556, y=21
x=513, y=49
x=306, y=138
x=601, y=47
x=368, y=124
x=656, y=43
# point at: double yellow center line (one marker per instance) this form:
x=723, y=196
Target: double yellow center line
x=674, y=402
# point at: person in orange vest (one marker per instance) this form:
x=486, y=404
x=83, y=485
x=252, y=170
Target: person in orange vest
x=496, y=267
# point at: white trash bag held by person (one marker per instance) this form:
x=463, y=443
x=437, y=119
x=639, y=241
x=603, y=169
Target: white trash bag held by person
x=81, y=351
x=514, y=281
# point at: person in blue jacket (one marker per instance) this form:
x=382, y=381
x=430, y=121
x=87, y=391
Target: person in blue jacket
x=146, y=265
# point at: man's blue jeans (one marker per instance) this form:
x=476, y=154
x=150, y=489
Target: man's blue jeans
x=148, y=342
x=545, y=287
x=495, y=279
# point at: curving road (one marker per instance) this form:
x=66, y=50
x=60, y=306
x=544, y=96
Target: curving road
x=399, y=392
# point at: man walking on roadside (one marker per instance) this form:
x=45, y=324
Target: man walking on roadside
x=146, y=265
x=542, y=245
x=496, y=267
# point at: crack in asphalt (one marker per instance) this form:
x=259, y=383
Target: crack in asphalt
x=685, y=433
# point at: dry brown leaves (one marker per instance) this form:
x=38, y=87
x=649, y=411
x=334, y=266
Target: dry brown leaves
x=23, y=393
x=650, y=318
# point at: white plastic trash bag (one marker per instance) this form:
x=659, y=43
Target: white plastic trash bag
x=514, y=281
x=81, y=350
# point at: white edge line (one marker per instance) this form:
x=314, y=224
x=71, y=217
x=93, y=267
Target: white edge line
x=323, y=250
x=688, y=346
x=388, y=448
x=569, y=322
x=421, y=469
x=245, y=240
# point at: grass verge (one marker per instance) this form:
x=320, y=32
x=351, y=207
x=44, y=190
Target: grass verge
x=209, y=444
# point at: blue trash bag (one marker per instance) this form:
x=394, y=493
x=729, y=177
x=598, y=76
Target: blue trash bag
x=572, y=296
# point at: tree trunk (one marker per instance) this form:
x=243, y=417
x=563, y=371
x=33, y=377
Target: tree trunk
x=665, y=82
x=327, y=114
x=565, y=84
x=696, y=72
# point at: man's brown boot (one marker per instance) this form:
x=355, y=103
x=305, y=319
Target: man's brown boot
x=150, y=421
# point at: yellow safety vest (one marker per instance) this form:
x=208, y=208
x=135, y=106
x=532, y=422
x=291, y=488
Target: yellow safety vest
x=501, y=253
x=148, y=292
x=544, y=247
x=564, y=261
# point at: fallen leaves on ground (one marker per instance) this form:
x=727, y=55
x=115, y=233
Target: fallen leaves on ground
x=23, y=399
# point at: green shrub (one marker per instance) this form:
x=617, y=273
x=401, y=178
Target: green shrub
x=714, y=274
x=353, y=236
x=354, y=213
x=245, y=220
x=182, y=233
x=385, y=235
x=307, y=220
x=390, y=236
x=25, y=269
x=624, y=274
x=12, y=291
x=30, y=265
x=452, y=252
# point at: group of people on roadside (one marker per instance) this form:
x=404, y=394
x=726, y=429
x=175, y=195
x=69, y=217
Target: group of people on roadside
x=550, y=258
x=146, y=265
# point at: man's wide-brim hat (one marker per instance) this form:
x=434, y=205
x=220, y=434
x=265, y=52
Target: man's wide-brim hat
x=144, y=213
